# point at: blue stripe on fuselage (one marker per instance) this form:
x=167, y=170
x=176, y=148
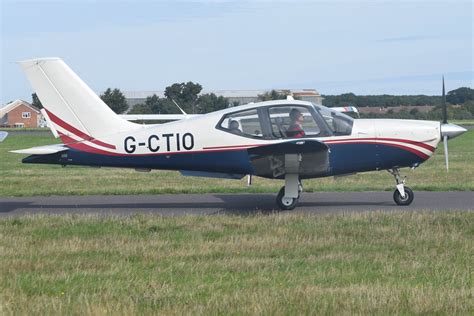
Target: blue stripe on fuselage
x=350, y=158
x=222, y=161
x=343, y=159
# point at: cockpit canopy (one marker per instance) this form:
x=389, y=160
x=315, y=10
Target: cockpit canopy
x=287, y=121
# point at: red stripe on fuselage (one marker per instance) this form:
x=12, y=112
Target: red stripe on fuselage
x=77, y=132
x=85, y=148
x=353, y=140
x=72, y=143
x=411, y=142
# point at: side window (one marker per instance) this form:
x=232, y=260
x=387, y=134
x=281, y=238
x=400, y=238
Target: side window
x=292, y=122
x=339, y=123
x=245, y=123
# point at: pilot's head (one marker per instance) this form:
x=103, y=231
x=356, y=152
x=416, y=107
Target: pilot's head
x=295, y=115
x=233, y=124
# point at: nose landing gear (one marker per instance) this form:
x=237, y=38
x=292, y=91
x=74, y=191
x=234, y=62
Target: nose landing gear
x=288, y=201
x=403, y=195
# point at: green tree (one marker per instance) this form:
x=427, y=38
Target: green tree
x=185, y=94
x=414, y=111
x=35, y=101
x=140, y=108
x=460, y=95
x=115, y=100
x=379, y=100
x=469, y=106
x=272, y=95
x=161, y=106
x=210, y=102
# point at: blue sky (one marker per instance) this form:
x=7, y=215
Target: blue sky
x=368, y=47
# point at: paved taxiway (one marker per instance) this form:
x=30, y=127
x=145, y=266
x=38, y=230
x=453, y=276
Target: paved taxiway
x=208, y=204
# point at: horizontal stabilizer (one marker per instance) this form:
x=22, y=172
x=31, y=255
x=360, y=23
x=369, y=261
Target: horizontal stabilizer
x=41, y=150
x=3, y=135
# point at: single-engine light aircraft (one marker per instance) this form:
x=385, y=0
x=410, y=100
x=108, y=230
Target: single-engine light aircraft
x=285, y=139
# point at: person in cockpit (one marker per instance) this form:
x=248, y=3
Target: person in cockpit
x=234, y=127
x=295, y=130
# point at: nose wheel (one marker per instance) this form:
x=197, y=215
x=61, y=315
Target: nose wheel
x=403, y=200
x=285, y=203
x=403, y=195
x=288, y=203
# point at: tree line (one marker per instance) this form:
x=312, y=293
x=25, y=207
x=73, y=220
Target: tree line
x=187, y=96
x=384, y=100
x=460, y=104
x=457, y=96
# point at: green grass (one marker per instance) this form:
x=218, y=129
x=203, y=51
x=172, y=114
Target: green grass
x=365, y=263
x=462, y=122
x=19, y=179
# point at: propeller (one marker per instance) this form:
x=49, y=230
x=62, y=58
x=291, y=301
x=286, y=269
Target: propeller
x=448, y=130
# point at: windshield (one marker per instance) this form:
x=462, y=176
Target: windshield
x=339, y=123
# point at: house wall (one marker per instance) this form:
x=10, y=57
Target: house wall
x=15, y=116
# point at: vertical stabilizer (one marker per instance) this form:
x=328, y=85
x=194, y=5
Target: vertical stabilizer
x=73, y=108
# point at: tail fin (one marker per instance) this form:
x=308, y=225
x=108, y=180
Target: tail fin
x=70, y=104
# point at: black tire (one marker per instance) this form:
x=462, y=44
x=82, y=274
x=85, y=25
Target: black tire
x=285, y=204
x=409, y=196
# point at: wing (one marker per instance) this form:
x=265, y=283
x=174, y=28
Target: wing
x=157, y=117
x=307, y=158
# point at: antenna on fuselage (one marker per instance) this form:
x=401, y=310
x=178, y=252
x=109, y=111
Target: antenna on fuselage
x=182, y=111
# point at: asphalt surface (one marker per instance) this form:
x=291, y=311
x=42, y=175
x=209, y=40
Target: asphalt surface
x=243, y=204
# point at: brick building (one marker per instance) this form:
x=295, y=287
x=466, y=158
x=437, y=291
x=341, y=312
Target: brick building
x=20, y=114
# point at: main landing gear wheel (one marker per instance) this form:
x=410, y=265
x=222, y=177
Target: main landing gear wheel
x=285, y=203
x=409, y=195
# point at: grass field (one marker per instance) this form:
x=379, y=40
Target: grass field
x=19, y=179
x=462, y=122
x=377, y=263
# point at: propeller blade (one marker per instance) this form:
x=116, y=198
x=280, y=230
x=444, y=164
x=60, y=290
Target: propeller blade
x=445, y=141
x=443, y=106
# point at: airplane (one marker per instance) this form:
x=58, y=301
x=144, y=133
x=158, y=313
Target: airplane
x=282, y=139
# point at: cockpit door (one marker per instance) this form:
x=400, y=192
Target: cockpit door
x=295, y=121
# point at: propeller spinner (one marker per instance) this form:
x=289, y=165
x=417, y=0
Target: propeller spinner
x=448, y=130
